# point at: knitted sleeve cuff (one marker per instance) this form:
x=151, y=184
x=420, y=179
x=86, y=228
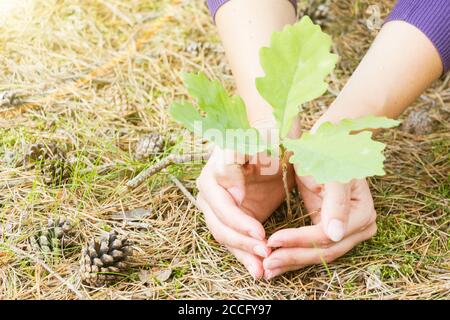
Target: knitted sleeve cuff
x=432, y=17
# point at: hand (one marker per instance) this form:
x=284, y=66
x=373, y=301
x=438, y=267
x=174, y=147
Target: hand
x=235, y=198
x=342, y=215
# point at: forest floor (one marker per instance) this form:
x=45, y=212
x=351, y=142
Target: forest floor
x=94, y=76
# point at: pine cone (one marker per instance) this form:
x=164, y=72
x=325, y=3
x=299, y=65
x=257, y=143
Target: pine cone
x=419, y=122
x=9, y=99
x=102, y=260
x=317, y=10
x=52, y=238
x=149, y=145
x=56, y=171
x=117, y=99
x=42, y=151
x=52, y=162
x=193, y=47
x=121, y=104
x=196, y=47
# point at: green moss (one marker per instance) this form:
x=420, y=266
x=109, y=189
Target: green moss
x=394, y=230
x=179, y=272
x=350, y=286
x=388, y=273
x=441, y=148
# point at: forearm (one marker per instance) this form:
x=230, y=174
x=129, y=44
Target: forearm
x=401, y=63
x=244, y=27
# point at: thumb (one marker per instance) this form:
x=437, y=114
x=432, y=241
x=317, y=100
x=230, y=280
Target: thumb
x=229, y=173
x=335, y=209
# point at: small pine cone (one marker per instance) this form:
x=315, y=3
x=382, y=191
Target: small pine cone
x=102, y=259
x=317, y=10
x=56, y=171
x=117, y=99
x=196, y=47
x=419, y=122
x=121, y=104
x=9, y=99
x=52, y=162
x=321, y=13
x=50, y=240
x=149, y=145
x=41, y=151
x=61, y=227
x=193, y=47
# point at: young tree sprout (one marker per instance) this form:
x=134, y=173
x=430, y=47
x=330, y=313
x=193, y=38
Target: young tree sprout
x=296, y=65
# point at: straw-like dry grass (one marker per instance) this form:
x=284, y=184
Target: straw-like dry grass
x=50, y=53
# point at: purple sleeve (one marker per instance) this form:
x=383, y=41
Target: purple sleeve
x=214, y=5
x=432, y=17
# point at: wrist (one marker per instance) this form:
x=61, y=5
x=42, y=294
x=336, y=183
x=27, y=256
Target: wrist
x=341, y=109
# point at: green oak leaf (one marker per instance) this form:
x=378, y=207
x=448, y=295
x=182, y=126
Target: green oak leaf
x=225, y=122
x=367, y=122
x=332, y=153
x=295, y=64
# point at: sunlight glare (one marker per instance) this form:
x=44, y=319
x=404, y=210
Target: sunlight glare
x=11, y=8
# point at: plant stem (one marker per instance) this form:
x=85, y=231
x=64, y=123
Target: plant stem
x=284, y=165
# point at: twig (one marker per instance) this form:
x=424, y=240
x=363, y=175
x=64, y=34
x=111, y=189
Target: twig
x=183, y=190
x=46, y=266
x=164, y=163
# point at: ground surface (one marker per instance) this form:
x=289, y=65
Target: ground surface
x=101, y=74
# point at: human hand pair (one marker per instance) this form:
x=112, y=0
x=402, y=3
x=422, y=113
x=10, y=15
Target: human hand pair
x=236, y=198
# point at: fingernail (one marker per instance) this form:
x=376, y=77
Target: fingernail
x=261, y=251
x=256, y=235
x=274, y=243
x=237, y=194
x=253, y=271
x=271, y=263
x=335, y=230
x=268, y=274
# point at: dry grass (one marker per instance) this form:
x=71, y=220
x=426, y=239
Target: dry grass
x=51, y=54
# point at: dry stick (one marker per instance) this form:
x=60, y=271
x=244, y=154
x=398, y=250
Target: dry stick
x=164, y=163
x=45, y=266
x=183, y=189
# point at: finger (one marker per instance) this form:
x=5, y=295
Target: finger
x=224, y=206
x=270, y=274
x=251, y=262
x=309, y=183
x=335, y=209
x=291, y=257
x=305, y=237
x=228, y=171
x=229, y=174
x=229, y=237
x=360, y=218
x=362, y=211
x=362, y=206
x=362, y=214
x=311, y=193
